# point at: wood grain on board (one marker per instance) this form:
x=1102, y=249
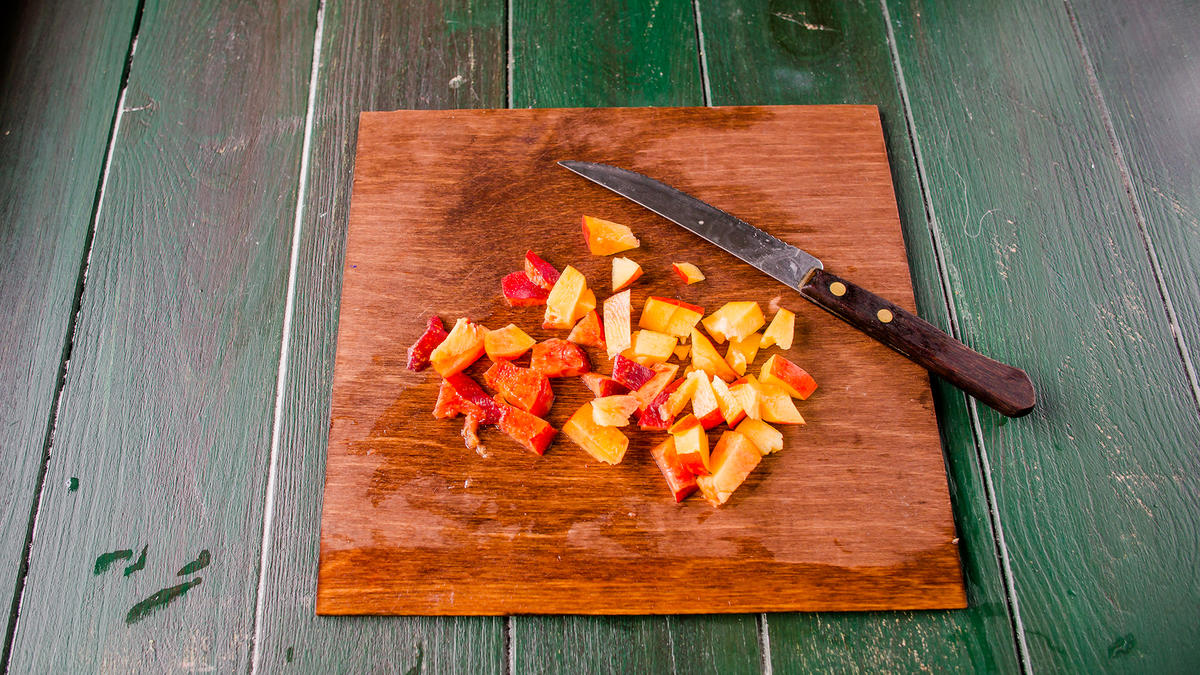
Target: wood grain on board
x=854, y=514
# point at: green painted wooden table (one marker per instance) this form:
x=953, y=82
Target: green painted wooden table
x=174, y=179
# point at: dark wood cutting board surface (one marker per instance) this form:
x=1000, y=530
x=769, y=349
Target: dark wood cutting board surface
x=853, y=514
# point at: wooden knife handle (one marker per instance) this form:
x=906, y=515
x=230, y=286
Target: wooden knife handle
x=1005, y=388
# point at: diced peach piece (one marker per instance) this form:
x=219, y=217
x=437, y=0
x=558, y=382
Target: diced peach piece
x=706, y=358
x=531, y=431
x=605, y=237
x=742, y=352
x=524, y=388
x=670, y=316
x=688, y=272
x=624, y=272
x=655, y=416
x=474, y=400
x=462, y=347
x=589, y=331
x=684, y=319
x=651, y=347
x=781, y=331
x=734, y=457
x=630, y=373
x=790, y=377
x=683, y=395
x=777, y=405
x=731, y=407
x=449, y=403
x=559, y=358
x=663, y=374
x=519, y=291
x=507, y=343
x=587, y=303
x=418, y=353
x=747, y=393
x=682, y=351
x=617, y=336
x=563, y=298
x=540, y=272
x=691, y=444
x=704, y=403
x=606, y=444
x=734, y=320
x=765, y=437
x=680, y=481
x=603, y=385
x=656, y=314
x=614, y=411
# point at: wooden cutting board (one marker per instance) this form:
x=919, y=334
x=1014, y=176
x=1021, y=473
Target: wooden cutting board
x=853, y=514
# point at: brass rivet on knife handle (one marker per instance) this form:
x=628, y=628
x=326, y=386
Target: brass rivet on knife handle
x=1007, y=389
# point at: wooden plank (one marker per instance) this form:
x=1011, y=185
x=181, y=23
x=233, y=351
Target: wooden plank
x=414, y=524
x=554, y=47
x=166, y=410
x=1145, y=64
x=838, y=53
x=1147, y=72
x=604, y=53
x=1151, y=88
x=1096, y=489
x=374, y=56
x=55, y=117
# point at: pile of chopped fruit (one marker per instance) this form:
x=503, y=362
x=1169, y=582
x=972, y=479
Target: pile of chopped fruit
x=642, y=382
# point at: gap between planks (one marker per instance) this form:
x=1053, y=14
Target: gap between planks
x=764, y=645
x=999, y=542
x=284, y=347
x=671, y=645
x=704, y=81
x=69, y=343
x=1138, y=215
x=510, y=651
x=508, y=53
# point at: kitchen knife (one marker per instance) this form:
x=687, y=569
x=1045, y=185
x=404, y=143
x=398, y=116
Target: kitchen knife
x=1005, y=388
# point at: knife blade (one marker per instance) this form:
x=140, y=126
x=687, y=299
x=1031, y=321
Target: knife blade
x=1005, y=388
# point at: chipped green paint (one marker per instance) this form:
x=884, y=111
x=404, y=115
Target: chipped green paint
x=104, y=560
x=1122, y=646
x=288, y=654
x=73, y=484
x=139, y=564
x=196, y=565
x=159, y=600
